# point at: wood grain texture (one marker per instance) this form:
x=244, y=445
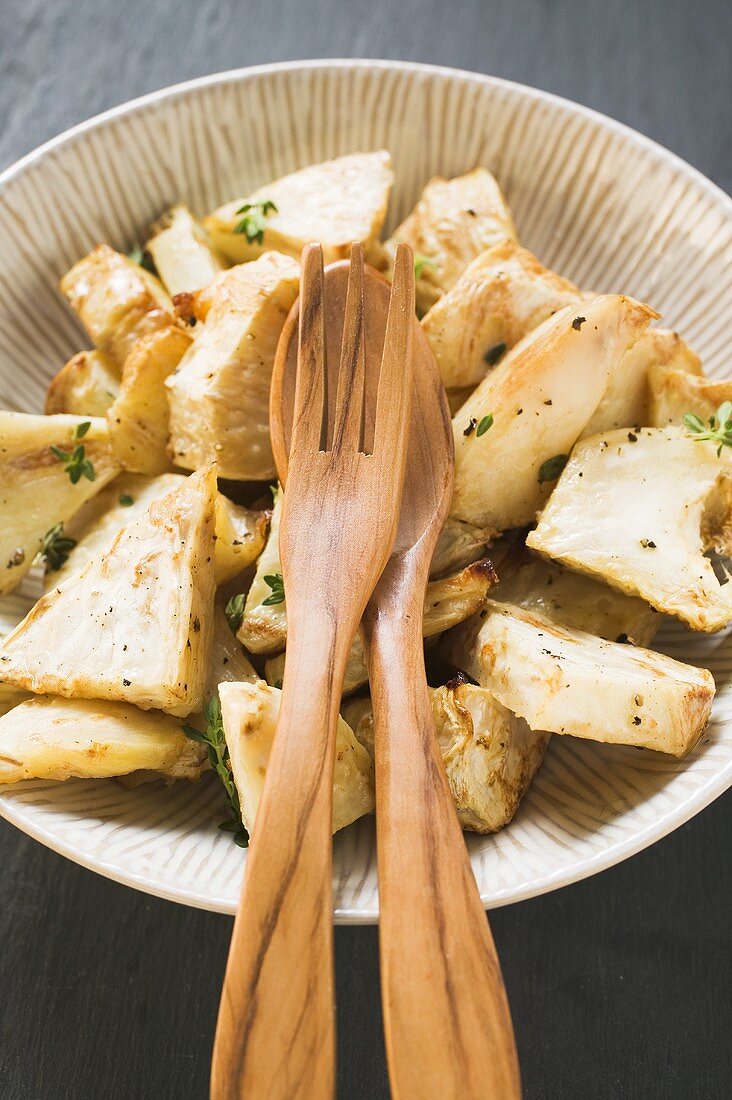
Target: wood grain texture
x=447, y=1023
x=627, y=972
x=275, y=1035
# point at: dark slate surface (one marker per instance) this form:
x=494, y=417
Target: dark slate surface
x=620, y=986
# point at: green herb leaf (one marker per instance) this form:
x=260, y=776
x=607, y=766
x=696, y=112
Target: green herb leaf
x=234, y=611
x=56, y=547
x=552, y=468
x=421, y=262
x=126, y=500
x=254, y=222
x=494, y=354
x=484, y=424
x=218, y=754
x=277, y=684
x=138, y=255
x=77, y=465
x=719, y=428
x=277, y=584
x=81, y=429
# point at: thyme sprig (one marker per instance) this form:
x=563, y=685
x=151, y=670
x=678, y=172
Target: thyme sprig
x=218, y=755
x=56, y=547
x=234, y=611
x=421, y=262
x=718, y=428
x=277, y=584
x=77, y=464
x=254, y=222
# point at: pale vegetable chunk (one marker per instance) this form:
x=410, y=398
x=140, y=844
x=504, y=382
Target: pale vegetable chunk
x=673, y=393
x=134, y=624
x=86, y=385
x=36, y=490
x=570, y=682
x=263, y=627
x=10, y=697
x=490, y=755
x=219, y=394
x=50, y=738
x=228, y=659
x=571, y=599
x=249, y=713
x=138, y=417
x=453, y=222
x=116, y=300
x=459, y=544
x=182, y=252
x=497, y=300
x=638, y=509
x=626, y=401
x=540, y=397
x=335, y=203
x=240, y=532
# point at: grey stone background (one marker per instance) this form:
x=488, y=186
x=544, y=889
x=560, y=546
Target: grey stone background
x=620, y=985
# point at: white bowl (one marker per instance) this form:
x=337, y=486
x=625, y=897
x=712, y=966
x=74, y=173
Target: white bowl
x=598, y=202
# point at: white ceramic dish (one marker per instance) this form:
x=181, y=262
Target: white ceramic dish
x=598, y=202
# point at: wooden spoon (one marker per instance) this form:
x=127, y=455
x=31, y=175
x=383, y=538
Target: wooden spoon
x=275, y=1038
x=446, y=1017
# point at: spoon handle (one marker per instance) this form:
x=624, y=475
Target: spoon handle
x=446, y=1017
x=275, y=1037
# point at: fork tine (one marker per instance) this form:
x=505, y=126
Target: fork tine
x=395, y=378
x=348, y=419
x=309, y=414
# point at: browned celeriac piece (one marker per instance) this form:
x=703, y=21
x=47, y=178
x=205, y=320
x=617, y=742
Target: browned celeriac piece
x=459, y=544
x=500, y=297
x=626, y=401
x=570, y=682
x=219, y=393
x=540, y=397
x=569, y=598
x=52, y=738
x=138, y=417
x=453, y=222
x=85, y=386
x=116, y=300
x=240, y=532
x=490, y=755
x=673, y=393
x=182, y=253
x=336, y=203
x=249, y=713
x=36, y=491
x=447, y=601
x=134, y=624
x=639, y=510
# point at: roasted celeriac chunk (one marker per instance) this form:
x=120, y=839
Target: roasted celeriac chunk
x=219, y=394
x=513, y=434
x=240, y=532
x=36, y=488
x=49, y=738
x=263, y=627
x=453, y=222
x=335, y=203
x=117, y=301
x=568, y=598
x=134, y=624
x=182, y=252
x=639, y=509
x=626, y=401
x=249, y=713
x=489, y=754
x=459, y=544
x=86, y=385
x=499, y=297
x=447, y=602
x=228, y=659
x=570, y=682
x=10, y=697
x=138, y=417
x=673, y=393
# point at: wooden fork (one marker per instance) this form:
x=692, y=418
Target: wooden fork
x=275, y=1038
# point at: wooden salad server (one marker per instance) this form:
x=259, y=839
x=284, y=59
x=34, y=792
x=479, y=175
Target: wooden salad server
x=446, y=1017
x=447, y=1023
x=275, y=1038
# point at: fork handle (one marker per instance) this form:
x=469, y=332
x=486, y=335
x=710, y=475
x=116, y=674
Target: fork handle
x=446, y=1017
x=275, y=1037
